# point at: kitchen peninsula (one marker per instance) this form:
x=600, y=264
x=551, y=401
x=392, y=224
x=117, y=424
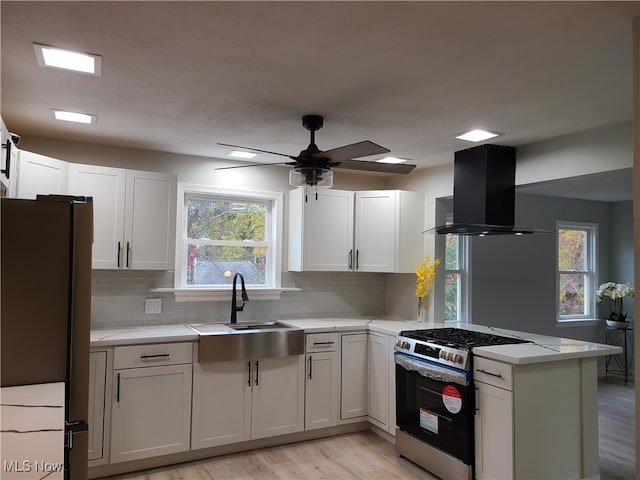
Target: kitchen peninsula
x=542, y=388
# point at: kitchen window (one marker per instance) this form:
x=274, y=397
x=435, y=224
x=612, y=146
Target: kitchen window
x=456, y=278
x=576, y=275
x=224, y=232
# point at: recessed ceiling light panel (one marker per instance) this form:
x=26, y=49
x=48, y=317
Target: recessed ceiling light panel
x=75, y=117
x=477, y=135
x=241, y=154
x=392, y=160
x=59, y=58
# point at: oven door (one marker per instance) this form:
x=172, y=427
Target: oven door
x=434, y=404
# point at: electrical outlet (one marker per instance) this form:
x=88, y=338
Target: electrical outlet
x=152, y=306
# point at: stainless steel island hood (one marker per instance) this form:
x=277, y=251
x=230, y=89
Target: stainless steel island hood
x=484, y=193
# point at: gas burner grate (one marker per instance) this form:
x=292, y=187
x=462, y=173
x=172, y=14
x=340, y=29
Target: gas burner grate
x=459, y=338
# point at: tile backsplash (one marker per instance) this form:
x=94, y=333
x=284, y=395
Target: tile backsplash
x=118, y=299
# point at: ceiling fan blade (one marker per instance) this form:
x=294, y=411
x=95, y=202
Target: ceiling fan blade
x=355, y=150
x=254, y=149
x=402, y=168
x=254, y=165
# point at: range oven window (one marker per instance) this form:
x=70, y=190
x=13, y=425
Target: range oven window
x=435, y=410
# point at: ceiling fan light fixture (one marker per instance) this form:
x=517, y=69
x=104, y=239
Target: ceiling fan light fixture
x=477, y=135
x=393, y=160
x=311, y=176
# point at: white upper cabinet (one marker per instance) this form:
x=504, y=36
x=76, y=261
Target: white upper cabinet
x=320, y=231
x=134, y=216
x=8, y=162
x=40, y=175
x=367, y=231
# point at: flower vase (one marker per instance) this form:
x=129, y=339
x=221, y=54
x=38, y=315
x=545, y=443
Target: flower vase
x=421, y=316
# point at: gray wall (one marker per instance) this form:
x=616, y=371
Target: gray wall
x=622, y=248
x=513, y=278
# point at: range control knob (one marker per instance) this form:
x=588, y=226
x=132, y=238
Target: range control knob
x=443, y=354
x=457, y=358
x=406, y=345
x=449, y=356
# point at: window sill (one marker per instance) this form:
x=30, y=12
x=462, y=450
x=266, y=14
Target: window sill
x=579, y=322
x=222, y=294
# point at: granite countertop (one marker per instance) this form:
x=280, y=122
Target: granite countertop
x=542, y=349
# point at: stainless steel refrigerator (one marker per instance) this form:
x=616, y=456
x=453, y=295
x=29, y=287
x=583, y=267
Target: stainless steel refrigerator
x=46, y=306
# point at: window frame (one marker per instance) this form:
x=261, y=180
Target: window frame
x=591, y=274
x=273, y=274
x=464, y=292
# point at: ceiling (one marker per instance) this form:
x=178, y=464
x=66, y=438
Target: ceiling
x=182, y=76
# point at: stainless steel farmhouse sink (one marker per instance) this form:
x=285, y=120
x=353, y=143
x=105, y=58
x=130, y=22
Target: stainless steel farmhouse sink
x=221, y=342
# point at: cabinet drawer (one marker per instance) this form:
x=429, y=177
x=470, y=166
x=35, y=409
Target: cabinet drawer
x=321, y=342
x=135, y=356
x=494, y=373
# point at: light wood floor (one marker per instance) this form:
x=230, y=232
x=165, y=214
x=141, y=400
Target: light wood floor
x=364, y=455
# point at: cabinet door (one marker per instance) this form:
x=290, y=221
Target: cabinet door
x=107, y=187
x=320, y=231
x=322, y=390
x=378, y=351
x=38, y=174
x=151, y=412
x=354, y=378
x=150, y=220
x=375, y=231
x=277, y=404
x=97, y=383
x=221, y=403
x=494, y=435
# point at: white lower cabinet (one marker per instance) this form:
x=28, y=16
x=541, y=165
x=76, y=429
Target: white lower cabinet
x=382, y=381
x=532, y=420
x=96, y=417
x=353, y=376
x=151, y=408
x=322, y=392
x=494, y=432
x=243, y=400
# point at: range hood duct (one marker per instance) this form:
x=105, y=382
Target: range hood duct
x=484, y=193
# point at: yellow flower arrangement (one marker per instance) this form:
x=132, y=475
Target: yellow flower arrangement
x=426, y=274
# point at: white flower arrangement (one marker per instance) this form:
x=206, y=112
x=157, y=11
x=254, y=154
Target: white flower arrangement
x=616, y=292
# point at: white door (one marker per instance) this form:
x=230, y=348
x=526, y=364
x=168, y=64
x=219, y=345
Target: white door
x=221, y=403
x=150, y=219
x=354, y=389
x=97, y=383
x=322, y=390
x=38, y=174
x=494, y=435
x=107, y=187
x=375, y=231
x=151, y=412
x=378, y=380
x=277, y=404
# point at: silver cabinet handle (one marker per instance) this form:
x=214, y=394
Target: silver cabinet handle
x=497, y=375
x=323, y=343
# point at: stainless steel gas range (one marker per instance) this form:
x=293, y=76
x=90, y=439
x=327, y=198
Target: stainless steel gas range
x=435, y=401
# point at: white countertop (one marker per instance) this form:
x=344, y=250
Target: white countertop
x=542, y=349
x=32, y=431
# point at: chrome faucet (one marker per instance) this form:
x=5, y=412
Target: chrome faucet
x=245, y=298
